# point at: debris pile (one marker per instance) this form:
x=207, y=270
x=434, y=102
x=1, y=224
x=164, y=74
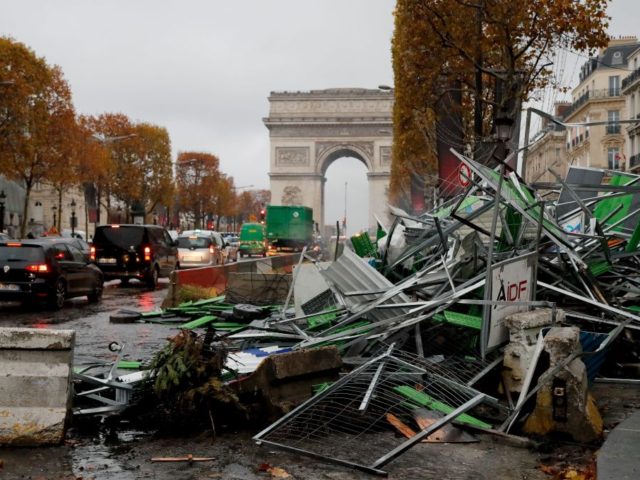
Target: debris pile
x=494, y=312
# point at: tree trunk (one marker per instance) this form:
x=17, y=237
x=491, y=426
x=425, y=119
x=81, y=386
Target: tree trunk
x=25, y=210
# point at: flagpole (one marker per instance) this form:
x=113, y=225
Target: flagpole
x=345, y=209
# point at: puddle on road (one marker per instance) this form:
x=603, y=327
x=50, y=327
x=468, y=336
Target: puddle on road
x=108, y=454
x=147, y=302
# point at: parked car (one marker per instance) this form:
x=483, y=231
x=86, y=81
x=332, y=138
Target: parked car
x=201, y=248
x=47, y=269
x=4, y=237
x=144, y=252
x=252, y=240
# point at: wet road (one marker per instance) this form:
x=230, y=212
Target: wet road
x=94, y=331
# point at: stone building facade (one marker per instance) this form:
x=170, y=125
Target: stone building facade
x=599, y=97
x=631, y=91
x=606, y=93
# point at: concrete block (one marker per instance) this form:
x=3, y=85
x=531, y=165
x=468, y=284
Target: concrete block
x=524, y=328
x=563, y=403
x=284, y=381
x=35, y=385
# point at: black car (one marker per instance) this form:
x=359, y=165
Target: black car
x=47, y=269
x=145, y=252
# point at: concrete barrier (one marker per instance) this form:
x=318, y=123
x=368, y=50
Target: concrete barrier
x=35, y=385
x=218, y=277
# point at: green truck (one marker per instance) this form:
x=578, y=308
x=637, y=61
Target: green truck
x=252, y=241
x=289, y=228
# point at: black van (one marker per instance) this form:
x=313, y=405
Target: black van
x=145, y=252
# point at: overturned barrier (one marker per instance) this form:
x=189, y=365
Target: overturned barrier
x=218, y=277
x=35, y=385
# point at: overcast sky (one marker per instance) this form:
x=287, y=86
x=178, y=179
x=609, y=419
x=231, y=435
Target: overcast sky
x=204, y=68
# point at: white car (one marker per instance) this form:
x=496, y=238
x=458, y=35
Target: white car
x=200, y=248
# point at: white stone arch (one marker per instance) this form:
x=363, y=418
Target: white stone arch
x=342, y=150
x=309, y=131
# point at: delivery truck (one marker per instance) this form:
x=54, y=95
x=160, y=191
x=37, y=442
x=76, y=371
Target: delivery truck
x=289, y=228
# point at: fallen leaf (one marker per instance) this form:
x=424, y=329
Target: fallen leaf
x=277, y=472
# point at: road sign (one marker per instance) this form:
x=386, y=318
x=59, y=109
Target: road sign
x=464, y=175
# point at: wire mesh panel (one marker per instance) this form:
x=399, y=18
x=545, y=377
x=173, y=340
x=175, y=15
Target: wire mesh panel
x=355, y=421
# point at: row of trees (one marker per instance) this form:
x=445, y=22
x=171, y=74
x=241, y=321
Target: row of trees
x=44, y=141
x=209, y=195
x=480, y=60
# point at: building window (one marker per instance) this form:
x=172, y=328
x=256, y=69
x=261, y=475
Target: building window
x=613, y=158
x=613, y=117
x=614, y=85
x=557, y=153
x=617, y=58
x=633, y=105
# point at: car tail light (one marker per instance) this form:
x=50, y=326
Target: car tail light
x=147, y=254
x=211, y=249
x=92, y=253
x=14, y=244
x=39, y=268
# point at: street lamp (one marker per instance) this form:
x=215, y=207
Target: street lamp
x=3, y=197
x=54, y=209
x=73, y=217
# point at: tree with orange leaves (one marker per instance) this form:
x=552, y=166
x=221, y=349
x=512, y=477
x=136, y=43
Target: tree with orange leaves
x=225, y=200
x=494, y=53
x=154, y=157
x=134, y=165
x=197, y=178
x=35, y=110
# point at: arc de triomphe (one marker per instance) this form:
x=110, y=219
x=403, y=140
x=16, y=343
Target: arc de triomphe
x=311, y=130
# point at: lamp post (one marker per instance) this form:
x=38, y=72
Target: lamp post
x=3, y=197
x=54, y=209
x=73, y=217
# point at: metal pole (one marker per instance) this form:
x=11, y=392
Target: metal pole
x=335, y=255
x=484, y=333
x=525, y=152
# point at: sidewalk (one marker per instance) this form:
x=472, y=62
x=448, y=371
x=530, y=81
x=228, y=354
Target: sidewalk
x=618, y=457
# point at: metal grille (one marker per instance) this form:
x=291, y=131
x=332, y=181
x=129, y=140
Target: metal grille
x=318, y=303
x=336, y=423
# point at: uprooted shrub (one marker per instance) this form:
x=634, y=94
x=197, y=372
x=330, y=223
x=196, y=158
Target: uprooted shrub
x=185, y=392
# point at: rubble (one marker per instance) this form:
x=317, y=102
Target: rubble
x=493, y=312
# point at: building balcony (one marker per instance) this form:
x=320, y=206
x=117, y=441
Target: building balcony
x=601, y=94
x=634, y=160
x=630, y=79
